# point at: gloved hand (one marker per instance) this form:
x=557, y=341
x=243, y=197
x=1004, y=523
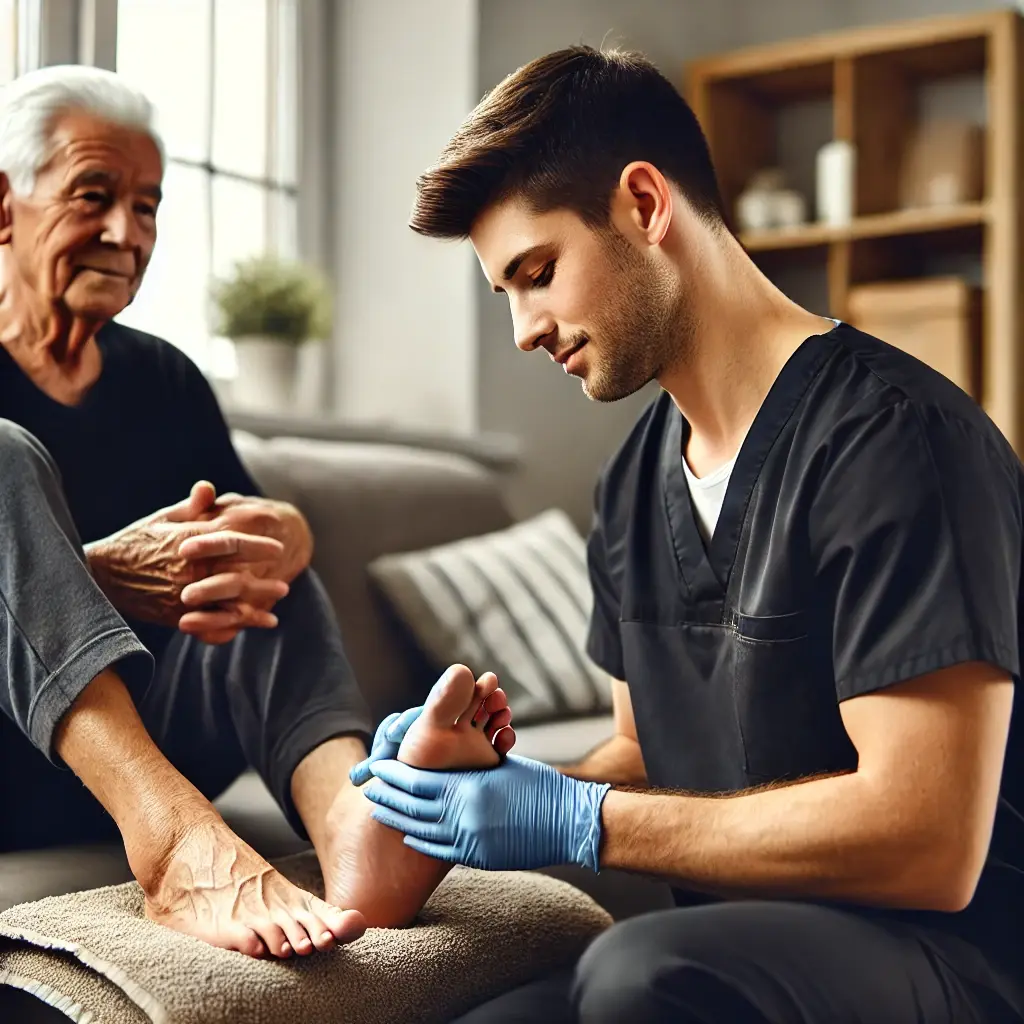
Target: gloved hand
x=386, y=741
x=520, y=815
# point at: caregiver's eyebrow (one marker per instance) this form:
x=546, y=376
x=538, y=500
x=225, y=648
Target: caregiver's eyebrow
x=513, y=265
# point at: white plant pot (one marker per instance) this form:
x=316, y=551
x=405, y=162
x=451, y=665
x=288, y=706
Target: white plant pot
x=266, y=375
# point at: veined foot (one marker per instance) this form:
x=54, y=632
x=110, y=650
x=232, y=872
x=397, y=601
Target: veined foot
x=209, y=884
x=464, y=724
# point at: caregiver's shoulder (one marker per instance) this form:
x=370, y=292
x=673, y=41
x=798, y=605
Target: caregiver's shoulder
x=872, y=380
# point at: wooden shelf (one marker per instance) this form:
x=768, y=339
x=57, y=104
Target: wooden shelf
x=877, y=225
x=949, y=44
x=874, y=80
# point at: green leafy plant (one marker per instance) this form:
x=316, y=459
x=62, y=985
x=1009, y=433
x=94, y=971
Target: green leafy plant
x=273, y=298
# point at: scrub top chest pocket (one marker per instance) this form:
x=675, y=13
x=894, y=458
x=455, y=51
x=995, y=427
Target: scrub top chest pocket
x=724, y=705
x=785, y=698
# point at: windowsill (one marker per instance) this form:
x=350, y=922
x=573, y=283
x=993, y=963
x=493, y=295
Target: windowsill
x=500, y=452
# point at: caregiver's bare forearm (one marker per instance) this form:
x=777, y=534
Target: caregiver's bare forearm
x=833, y=837
x=618, y=760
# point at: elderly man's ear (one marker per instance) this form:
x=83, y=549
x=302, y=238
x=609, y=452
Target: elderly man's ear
x=6, y=203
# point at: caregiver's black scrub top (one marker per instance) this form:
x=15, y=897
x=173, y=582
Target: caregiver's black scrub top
x=871, y=532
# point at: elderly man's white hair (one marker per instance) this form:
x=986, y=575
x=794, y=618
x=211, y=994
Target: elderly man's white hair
x=29, y=105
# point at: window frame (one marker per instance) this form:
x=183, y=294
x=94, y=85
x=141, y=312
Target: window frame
x=215, y=355
x=85, y=32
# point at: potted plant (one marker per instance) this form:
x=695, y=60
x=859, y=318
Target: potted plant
x=269, y=307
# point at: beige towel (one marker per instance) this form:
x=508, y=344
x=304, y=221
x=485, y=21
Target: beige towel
x=94, y=956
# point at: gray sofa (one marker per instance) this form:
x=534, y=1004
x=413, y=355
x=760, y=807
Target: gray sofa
x=362, y=500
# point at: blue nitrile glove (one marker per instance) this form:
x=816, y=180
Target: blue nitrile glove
x=386, y=741
x=520, y=815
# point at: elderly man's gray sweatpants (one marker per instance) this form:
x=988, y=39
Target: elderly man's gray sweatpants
x=264, y=700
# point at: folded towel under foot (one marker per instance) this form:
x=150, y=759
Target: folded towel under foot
x=94, y=956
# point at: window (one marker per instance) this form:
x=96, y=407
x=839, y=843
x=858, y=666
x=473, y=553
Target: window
x=19, y=37
x=8, y=40
x=223, y=76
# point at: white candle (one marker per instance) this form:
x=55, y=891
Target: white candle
x=835, y=182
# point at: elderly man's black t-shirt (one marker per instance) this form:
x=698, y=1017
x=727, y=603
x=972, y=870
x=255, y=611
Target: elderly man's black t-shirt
x=145, y=433
x=871, y=532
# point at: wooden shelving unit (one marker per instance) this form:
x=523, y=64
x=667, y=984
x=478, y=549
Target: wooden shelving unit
x=874, y=225
x=872, y=79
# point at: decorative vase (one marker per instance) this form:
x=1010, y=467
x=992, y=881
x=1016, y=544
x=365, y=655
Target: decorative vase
x=266, y=374
x=754, y=210
x=754, y=206
x=789, y=208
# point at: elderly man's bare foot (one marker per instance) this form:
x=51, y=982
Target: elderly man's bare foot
x=209, y=884
x=464, y=724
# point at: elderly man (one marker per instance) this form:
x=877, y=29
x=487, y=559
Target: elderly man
x=159, y=627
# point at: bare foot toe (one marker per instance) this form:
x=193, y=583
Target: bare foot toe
x=296, y=936
x=327, y=925
x=495, y=717
x=274, y=938
x=487, y=698
x=243, y=940
x=449, y=698
x=319, y=934
x=499, y=720
x=504, y=740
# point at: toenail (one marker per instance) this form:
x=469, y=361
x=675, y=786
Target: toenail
x=285, y=949
x=327, y=936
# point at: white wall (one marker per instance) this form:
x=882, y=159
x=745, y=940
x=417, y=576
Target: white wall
x=405, y=350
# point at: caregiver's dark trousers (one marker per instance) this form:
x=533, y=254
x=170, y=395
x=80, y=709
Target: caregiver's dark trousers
x=264, y=700
x=753, y=962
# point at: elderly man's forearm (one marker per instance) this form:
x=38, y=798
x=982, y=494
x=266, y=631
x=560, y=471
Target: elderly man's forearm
x=831, y=838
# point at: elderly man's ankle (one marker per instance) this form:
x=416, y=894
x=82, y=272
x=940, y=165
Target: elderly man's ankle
x=161, y=829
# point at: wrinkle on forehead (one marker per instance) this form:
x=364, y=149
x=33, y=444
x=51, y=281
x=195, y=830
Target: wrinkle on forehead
x=80, y=139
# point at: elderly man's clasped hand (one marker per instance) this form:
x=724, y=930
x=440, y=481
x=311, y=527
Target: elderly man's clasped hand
x=208, y=566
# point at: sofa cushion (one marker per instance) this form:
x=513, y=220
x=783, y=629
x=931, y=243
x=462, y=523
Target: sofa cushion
x=516, y=601
x=365, y=500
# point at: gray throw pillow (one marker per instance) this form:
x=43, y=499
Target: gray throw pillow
x=516, y=602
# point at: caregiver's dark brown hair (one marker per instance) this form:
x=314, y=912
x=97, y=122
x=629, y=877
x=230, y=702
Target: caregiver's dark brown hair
x=557, y=133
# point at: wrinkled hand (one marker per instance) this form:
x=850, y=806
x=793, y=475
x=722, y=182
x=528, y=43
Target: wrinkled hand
x=259, y=517
x=233, y=592
x=146, y=570
x=521, y=815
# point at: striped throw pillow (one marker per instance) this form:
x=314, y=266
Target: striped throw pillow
x=516, y=602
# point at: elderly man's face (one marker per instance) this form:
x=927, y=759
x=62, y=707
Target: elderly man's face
x=84, y=237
